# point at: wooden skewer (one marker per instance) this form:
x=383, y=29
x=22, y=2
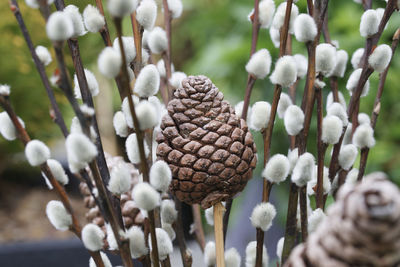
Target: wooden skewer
x=218, y=232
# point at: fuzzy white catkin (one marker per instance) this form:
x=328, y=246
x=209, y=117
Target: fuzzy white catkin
x=260, y=113
x=369, y=23
x=176, y=79
x=120, y=179
x=302, y=65
x=259, y=64
x=332, y=128
x=292, y=156
x=352, y=83
x=303, y=170
x=112, y=242
x=277, y=169
x=35, y=3
x=329, y=100
x=160, y=175
x=127, y=111
x=279, y=17
x=262, y=216
x=336, y=109
x=148, y=81
x=77, y=21
x=168, y=211
x=164, y=243
x=43, y=54
x=170, y=230
x=58, y=171
x=120, y=125
x=36, y=152
x=145, y=196
x=251, y=252
x=161, y=68
x=129, y=48
x=351, y=177
x=146, y=114
x=348, y=135
x=285, y=72
x=356, y=58
x=232, y=258
x=347, y=156
x=363, y=118
x=239, y=109
x=59, y=26
x=137, y=243
x=315, y=218
x=266, y=9
x=210, y=254
x=175, y=7
x=293, y=120
x=4, y=89
x=157, y=40
x=363, y=137
x=146, y=14
x=58, y=215
x=109, y=62
x=284, y=102
x=325, y=179
x=132, y=149
x=341, y=61
x=325, y=59
x=209, y=214
x=380, y=58
x=80, y=148
x=275, y=36
x=121, y=8
x=93, y=19
x=91, y=82
x=279, y=248
x=92, y=237
x=7, y=128
x=104, y=258
x=305, y=28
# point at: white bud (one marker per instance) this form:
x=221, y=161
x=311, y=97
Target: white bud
x=177, y=79
x=332, y=128
x=369, y=23
x=326, y=183
x=120, y=126
x=363, y=137
x=239, y=109
x=80, y=149
x=380, y=12
x=275, y=36
x=93, y=19
x=251, y=252
x=347, y=156
x=279, y=17
x=121, y=8
x=293, y=119
x=87, y=111
x=127, y=110
x=305, y=28
x=279, y=248
x=148, y=81
x=266, y=9
x=348, y=135
x=120, y=179
x=262, y=216
x=352, y=176
x=36, y=152
x=329, y=100
x=302, y=65
x=43, y=54
x=363, y=118
x=168, y=211
x=209, y=214
x=352, y=83
x=160, y=176
x=7, y=128
x=277, y=169
x=145, y=39
x=145, y=196
x=315, y=218
x=285, y=72
x=104, y=258
x=356, y=58
x=380, y=58
x=293, y=155
x=35, y=3
x=109, y=62
x=303, y=170
x=164, y=243
x=157, y=40
x=170, y=230
x=259, y=115
x=284, y=102
x=341, y=61
x=146, y=114
x=91, y=82
x=161, y=68
x=132, y=149
x=58, y=171
x=58, y=215
x=76, y=18
x=259, y=64
x=92, y=237
x=129, y=48
x=136, y=242
x=232, y=258
x=59, y=26
x=210, y=254
x=336, y=109
x=175, y=7
x=112, y=242
x=325, y=59
x=146, y=14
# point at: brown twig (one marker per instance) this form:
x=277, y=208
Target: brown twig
x=186, y=255
x=137, y=37
x=321, y=151
x=291, y=226
x=198, y=226
x=166, y=55
x=218, y=232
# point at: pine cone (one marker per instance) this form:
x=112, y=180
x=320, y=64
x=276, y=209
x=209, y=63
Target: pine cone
x=362, y=229
x=209, y=149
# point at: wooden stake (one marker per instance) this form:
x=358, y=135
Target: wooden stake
x=219, y=236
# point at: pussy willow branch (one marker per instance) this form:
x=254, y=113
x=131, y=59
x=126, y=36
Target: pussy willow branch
x=137, y=38
x=198, y=226
x=105, y=33
x=186, y=255
x=166, y=55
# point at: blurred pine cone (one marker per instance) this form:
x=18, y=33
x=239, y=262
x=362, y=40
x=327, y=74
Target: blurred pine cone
x=362, y=229
x=209, y=149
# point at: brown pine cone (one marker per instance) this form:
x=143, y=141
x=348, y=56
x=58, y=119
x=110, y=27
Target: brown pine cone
x=362, y=229
x=209, y=149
